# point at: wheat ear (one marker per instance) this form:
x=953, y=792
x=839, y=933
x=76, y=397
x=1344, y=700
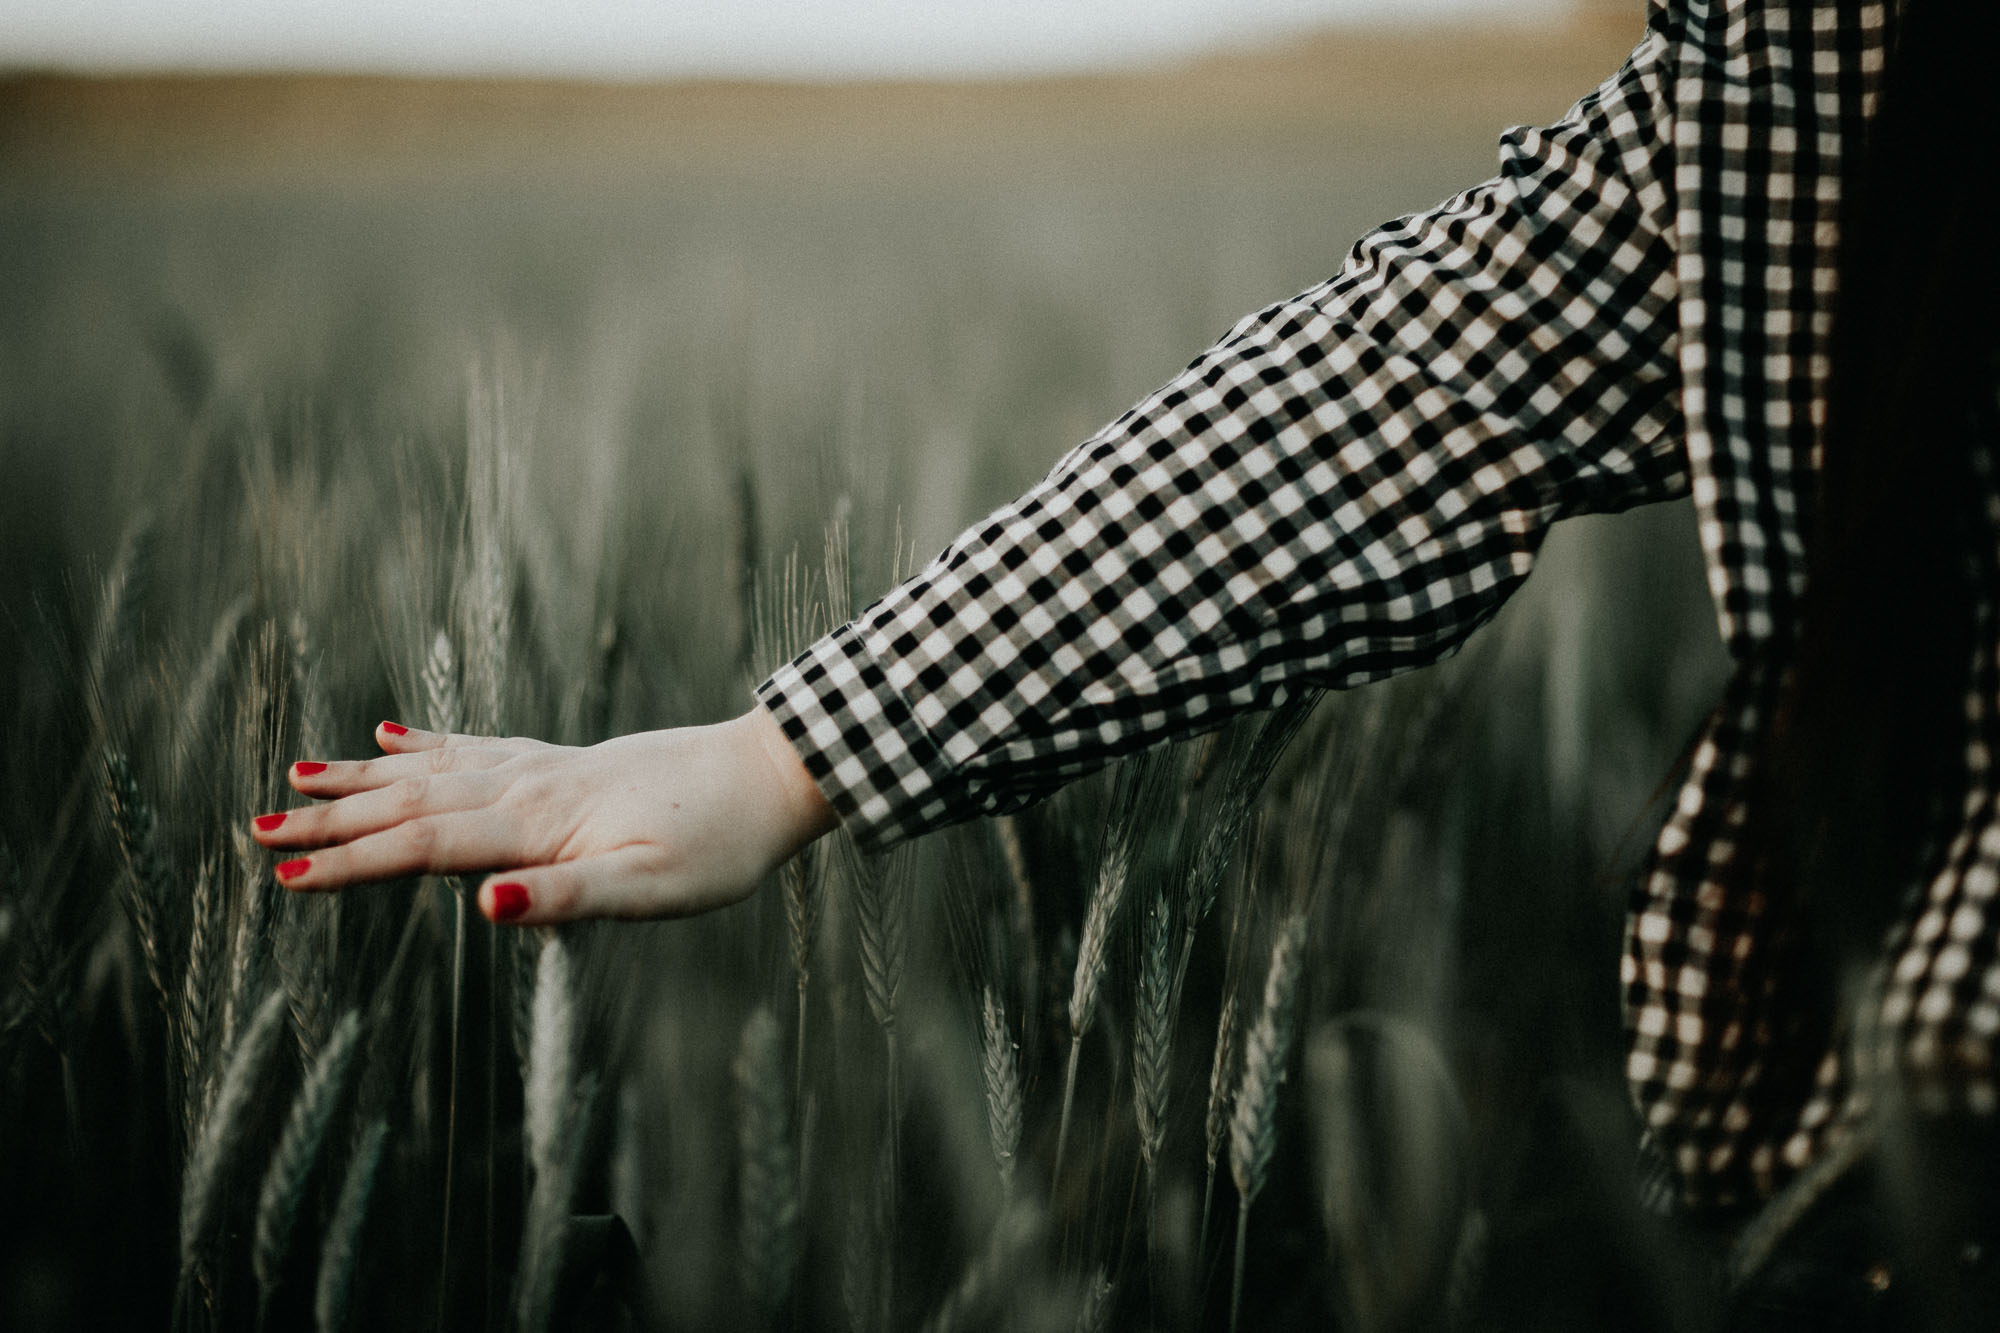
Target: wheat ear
x=551, y=1047
x=298, y=1148
x=1152, y=1042
x=1113, y=871
x=546, y=1232
x=552, y=1118
x=1221, y=1077
x=136, y=832
x=340, y=1253
x=201, y=1181
x=1253, y=1127
x=1001, y=1072
x=444, y=708
x=249, y=942
x=882, y=920
x=197, y=1009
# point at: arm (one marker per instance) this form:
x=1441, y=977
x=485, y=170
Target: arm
x=1347, y=485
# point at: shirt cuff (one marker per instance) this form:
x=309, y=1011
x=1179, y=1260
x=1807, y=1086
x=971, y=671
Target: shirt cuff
x=873, y=762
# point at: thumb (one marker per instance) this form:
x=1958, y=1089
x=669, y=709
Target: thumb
x=632, y=882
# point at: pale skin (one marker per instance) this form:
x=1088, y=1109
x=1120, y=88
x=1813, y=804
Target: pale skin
x=655, y=824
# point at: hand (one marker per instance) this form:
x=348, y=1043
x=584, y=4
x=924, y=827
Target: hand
x=661, y=823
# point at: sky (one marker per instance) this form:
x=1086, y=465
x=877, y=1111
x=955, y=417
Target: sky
x=633, y=39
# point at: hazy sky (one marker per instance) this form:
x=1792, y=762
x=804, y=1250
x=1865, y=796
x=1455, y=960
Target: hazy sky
x=639, y=38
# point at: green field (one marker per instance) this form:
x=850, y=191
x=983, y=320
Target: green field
x=568, y=412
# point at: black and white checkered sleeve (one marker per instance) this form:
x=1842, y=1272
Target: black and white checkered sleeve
x=1346, y=486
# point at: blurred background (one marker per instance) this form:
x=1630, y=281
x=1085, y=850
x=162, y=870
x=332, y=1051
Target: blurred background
x=615, y=346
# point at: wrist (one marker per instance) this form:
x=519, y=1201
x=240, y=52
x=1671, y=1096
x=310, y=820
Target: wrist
x=806, y=813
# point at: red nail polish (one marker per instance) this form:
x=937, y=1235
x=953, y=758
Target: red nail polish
x=395, y=729
x=306, y=768
x=265, y=823
x=289, y=870
x=509, y=901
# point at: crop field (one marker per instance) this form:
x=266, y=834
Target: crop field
x=569, y=412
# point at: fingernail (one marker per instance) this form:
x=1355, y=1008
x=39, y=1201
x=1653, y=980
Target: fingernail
x=306, y=768
x=395, y=729
x=265, y=823
x=509, y=901
x=289, y=870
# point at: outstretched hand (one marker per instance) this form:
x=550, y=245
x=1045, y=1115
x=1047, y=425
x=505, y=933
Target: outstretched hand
x=661, y=823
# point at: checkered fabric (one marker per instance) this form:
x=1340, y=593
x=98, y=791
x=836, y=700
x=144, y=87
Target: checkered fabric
x=1352, y=481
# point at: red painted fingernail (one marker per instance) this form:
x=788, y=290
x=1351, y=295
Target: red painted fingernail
x=395, y=729
x=306, y=768
x=509, y=901
x=265, y=823
x=289, y=870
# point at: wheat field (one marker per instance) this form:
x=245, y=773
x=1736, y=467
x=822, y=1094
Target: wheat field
x=571, y=411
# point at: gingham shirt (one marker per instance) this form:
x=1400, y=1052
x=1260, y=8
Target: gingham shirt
x=1352, y=481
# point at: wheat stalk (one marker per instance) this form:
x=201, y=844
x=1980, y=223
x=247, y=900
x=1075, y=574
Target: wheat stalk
x=1000, y=1069
x=768, y=1195
x=298, y=1148
x=444, y=705
x=340, y=1253
x=860, y=1243
x=749, y=559
x=1253, y=1125
x=1021, y=915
